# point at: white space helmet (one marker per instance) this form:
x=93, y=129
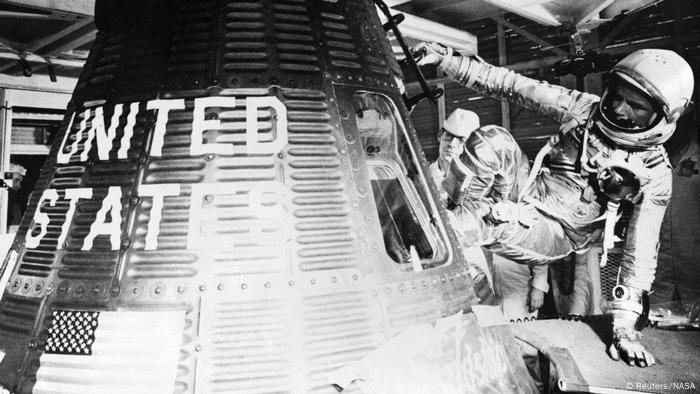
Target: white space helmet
x=665, y=78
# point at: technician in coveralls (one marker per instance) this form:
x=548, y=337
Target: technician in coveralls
x=608, y=150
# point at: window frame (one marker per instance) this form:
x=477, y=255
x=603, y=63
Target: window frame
x=422, y=203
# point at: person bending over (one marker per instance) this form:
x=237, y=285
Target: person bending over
x=608, y=151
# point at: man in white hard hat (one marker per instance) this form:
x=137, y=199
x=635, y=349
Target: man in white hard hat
x=17, y=197
x=608, y=152
x=454, y=132
x=18, y=173
x=451, y=137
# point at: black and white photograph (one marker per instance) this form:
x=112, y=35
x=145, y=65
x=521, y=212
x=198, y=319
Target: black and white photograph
x=349, y=196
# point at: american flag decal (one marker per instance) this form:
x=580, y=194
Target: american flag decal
x=111, y=352
x=72, y=332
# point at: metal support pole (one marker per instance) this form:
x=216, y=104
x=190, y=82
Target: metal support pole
x=441, y=107
x=502, y=61
x=5, y=138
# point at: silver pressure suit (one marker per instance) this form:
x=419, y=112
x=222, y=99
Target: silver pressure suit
x=569, y=210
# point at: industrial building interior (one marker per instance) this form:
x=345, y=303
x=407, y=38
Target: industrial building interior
x=44, y=45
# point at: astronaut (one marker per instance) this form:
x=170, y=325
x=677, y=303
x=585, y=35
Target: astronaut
x=608, y=151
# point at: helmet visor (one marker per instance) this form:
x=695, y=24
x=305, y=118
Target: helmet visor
x=628, y=108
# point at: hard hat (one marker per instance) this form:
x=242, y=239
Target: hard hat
x=666, y=79
x=18, y=169
x=461, y=122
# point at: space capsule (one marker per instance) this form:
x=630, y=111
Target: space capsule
x=236, y=201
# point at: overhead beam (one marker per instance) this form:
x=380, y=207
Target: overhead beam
x=10, y=45
x=48, y=41
x=35, y=98
x=549, y=60
x=661, y=43
x=592, y=10
x=426, y=30
x=47, y=57
x=61, y=34
x=621, y=7
x=38, y=82
x=77, y=41
x=80, y=40
x=532, y=9
x=545, y=45
x=440, y=5
x=619, y=28
x=78, y=7
x=26, y=16
x=32, y=58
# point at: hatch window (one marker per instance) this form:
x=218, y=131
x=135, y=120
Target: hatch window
x=407, y=213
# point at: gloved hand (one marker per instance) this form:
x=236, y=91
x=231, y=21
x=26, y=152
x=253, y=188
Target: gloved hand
x=535, y=299
x=430, y=53
x=626, y=346
x=510, y=212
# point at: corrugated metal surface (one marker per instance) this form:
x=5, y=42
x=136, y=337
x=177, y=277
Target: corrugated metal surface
x=18, y=314
x=257, y=221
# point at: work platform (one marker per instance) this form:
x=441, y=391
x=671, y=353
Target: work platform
x=578, y=350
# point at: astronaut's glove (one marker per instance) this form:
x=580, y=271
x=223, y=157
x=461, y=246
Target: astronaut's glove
x=626, y=346
x=510, y=212
x=535, y=299
x=427, y=53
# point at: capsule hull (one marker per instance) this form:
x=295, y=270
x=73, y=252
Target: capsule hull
x=236, y=201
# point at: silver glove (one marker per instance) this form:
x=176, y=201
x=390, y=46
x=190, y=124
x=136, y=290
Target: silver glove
x=626, y=346
x=430, y=53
